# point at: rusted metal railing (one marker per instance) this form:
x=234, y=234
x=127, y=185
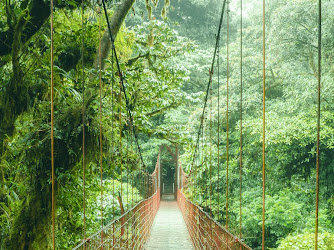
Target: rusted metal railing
x=131, y=230
x=204, y=231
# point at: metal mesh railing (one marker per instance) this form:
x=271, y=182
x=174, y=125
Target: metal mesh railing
x=131, y=230
x=204, y=231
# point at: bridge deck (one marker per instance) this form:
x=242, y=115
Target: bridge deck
x=169, y=230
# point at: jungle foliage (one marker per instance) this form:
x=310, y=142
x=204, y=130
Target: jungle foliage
x=165, y=49
x=291, y=89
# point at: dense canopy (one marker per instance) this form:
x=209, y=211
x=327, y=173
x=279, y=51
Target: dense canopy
x=165, y=53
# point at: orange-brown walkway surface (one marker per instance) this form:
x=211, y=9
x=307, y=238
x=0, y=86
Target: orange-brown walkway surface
x=169, y=232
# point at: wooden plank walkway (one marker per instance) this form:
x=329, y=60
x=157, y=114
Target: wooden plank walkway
x=169, y=232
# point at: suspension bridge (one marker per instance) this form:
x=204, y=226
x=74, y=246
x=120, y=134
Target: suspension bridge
x=164, y=220
x=167, y=217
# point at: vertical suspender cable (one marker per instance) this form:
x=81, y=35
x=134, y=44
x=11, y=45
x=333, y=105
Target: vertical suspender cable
x=218, y=130
x=318, y=126
x=112, y=140
x=100, y=109
x=263, y=125
x=127, y=179
x=83, y=122
x=127, y=162
x=241, y=107
x=203, y=159
x=227, y=102
x=120, y=137
x=210, y=168
x=52, y=138
x=132, y=181
x=143, y=181
x=137, y=184
x=194, y=171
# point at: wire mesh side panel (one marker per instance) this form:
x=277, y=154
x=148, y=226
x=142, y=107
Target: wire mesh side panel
x=131, y=230
x=204, y=231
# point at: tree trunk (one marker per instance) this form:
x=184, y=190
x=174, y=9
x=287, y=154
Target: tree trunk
x=31, y=226
x=39, y=12
x=115, y=24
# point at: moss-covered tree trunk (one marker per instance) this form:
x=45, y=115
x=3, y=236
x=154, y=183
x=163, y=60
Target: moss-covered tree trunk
x=115, y=24
x=32, y=225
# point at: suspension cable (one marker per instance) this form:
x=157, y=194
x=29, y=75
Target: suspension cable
x=120, y=136
x=210, y=80
x=83, y=121
x=218, y=130
x=203, y=160
x=227, y=102
x=127, y=164
x=52, y=137
x=132, y=182
x=318, y=126
x=101, y=152
x=194, y=170
x=264, y=124
x=112, y=139
x=205, y=149
x=122, y=84
x=127, y=178
x=210, y=168
x=241, y=107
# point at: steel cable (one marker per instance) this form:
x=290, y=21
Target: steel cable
x=83, y=120
x=210, y=80
x=318, y=126
x=227, y=103
x=218, y=129
x=100, y=110
x=263, y=123
x=52, y=131
x=122, y=84
x=241, y=109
